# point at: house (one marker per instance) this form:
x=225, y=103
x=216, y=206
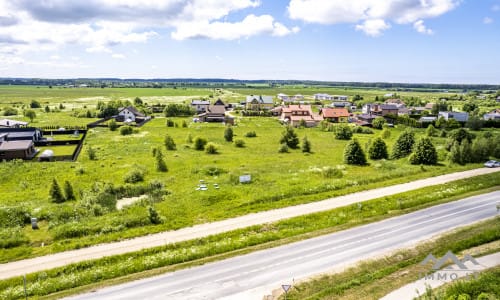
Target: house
x=412, y=111
x=200, y=106
x=398, y=102
x=322, y=97
x=459, y=116
x=339, y=98
x=427, y=119
x=283, y=97
x=12, y=123
x=297, y=98
x=341, y=104
x=365, y=119
x=294, y=114
x=21, y=134
x=129, y=114
x=492, y=115
x=213, y=113
x=380, y=109
x=389, y=95
x=336, y=115
x=259, y=102
x=429, y=106
x=498, y=99
x=22, y=149
x=220, y=102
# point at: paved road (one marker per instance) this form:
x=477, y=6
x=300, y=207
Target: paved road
x=250, y=276
x=26, y=266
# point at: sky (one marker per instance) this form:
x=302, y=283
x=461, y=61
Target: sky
x=410, y=41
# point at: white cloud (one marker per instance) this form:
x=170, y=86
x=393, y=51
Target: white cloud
x=118, y=56
x=487, y=20
x=421, y=28
x=373, y=27
x=55, y=57
x=495, y=7
x=370, y=12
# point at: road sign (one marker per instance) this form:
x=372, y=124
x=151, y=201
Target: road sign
x=286, y=287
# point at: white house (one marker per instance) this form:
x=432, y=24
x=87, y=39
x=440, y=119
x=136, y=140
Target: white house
x=459, y=116
x=12, y=123
x=129, y=114
x=322, y=97
x=200, y=105
x=492, y=115
x=283, y=97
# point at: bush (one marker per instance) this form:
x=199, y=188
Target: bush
x=211, y=148
x=458, y=135
x=178, y=110
x=378, y=123
x=386, y=133
x=403, y=145
x=9, y=111
x=91, y=153
x=153, y=215
x=68, y=191
x=228, y=134
x=354, y=154
x=160, y=164
x=134, y=176
x=239, y=143
x=12, y=237
x=283, y=148
x=112, y=125
x=55, y=192
x=481, y=150
x=343, y=132
x=170, y=123
x=170, y=143
x=306, y=145
x=35, y=104
x=425, y=153
x=289, y=138
x=378, y=149
x=199, y=143
x=126, y=130
x=251, y=134
x=431, y=131
x=184, y=124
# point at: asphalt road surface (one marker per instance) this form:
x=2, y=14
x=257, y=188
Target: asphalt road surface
x=251, y=276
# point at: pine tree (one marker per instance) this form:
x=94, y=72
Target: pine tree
x=378, y=149
x=290, y=138
x=306, y=145
x=425, y=153
x=55, y=193
x=354, y=154
x=170, y=143
x=68, y=191
x=465, y=152
x=161, y=166
x=154, y=217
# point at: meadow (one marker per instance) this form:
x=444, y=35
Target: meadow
x=278, y=179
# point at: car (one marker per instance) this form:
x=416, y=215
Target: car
x=492, y=164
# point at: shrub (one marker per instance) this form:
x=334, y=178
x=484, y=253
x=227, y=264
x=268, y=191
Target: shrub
x=184, y=124
x=189, y=138
x=68, y=191
x=283, y=148
x=112, y=125
x=386, y=133
x=134, y=176
x=378, y=123
x=170, y=123
x=211, y=148
x=343, y=132
x=302, y=123
x=91, y=153
x=35, y=104
x=55, y=192
x=425, y=153
x=153, y=215
x=458, y=135
x=228, y=134
x=29, y=113
x=178, y=110
x=126, y=130
x=331, y=172
x=199, y=143
x=378, y=149
x=354, y=154
x=481, y=150
x=306, y=145
x=289, y=138
x=170, y=143
x=239, y=143
x=12, y=237
x=403, y=145
x=251, y=134
x=431, y=131
x=160, y=164
x=9, y=111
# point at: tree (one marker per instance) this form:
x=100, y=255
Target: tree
x=290, y=138
x=55, y=193
x=458, y=135
x=199, y=143
x=29, y=113
x=343, y=132
x=431, y=131
x=441, y=122
x=465, y=152
x=481, y=150
x=474, y=123
x=425, y=153
x=378, y=123
x=35, y=104
x=178, y=110
x=153, y=215
x=403, y=145
x=469, y=106
x=306, y=145
x=112, y=124
x=170, y=143
x=228, y=134
x=138, y=101
x=354, y=154
x=454, y=155
x=453, y=124
x=378, y=149
x=386, y=133
x=68, y=191
x=47, y=109
x=160, y=164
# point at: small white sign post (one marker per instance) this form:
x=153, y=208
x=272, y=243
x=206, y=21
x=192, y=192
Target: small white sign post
x=286, y=287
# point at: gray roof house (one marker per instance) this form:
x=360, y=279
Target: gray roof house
x=459, y=116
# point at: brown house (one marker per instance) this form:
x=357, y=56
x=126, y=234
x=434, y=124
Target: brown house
x=336, y=115
x=213, y=113
x=294, y=114
x=17, y=150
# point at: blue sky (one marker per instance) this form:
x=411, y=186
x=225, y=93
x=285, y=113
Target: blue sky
x=436, y=41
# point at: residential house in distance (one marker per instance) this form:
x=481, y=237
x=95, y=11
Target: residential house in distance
x=21, y=149
x=130, y=114
x=297, y=98
x=286, y=98
x=200, y=106
x=459, y=116
x=429, y=106
x=294, y=114
x=322, y=97
x=259, y=103
x=398, y=102
x=283, y=97
x=336, y=115
x=492, y=115
x=380, y=109
x=7, y=123
x=21, y=134
x=213, y=113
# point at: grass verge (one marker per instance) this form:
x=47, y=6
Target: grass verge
x=110, y=270
x=375, y=278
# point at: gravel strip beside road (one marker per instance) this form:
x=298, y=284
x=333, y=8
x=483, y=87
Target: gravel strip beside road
x=31, y=265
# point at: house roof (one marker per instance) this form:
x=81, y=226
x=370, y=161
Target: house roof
x=310, y=118
x=334, y=112
x=15, y=145
x=388, y=107
x=200, y=102
x=132, y=110
x=12, y=123
x=21, y=134
x=215, y=109
x=219, y=102
x=261, y=99
x=429, y=105
x=291, y=108
x=394, y=101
